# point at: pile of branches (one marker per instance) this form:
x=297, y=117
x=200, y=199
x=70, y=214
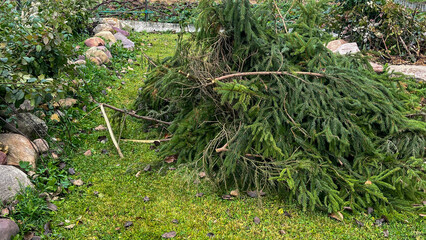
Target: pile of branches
x=260, y=108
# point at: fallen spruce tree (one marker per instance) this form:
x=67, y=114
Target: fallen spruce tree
x=261, y=108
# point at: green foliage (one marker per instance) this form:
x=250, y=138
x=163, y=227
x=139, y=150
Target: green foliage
x=381, y=26
x=52, y=179
x=33, y=46
x=31, y=211
x=328, y=141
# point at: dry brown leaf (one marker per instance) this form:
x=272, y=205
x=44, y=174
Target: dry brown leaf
x=4, y=212
x=171, y=234
x=234, y=193
x=170, y=159
x=55, y=117
x=88, y=153
x=78, y=182
x=337, y=216
x=100, y=128
x=71, y=226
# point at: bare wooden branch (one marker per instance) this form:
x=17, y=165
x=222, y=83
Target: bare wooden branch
x=111, y=133
x=265, y=73
x=134, y=114
x=222, y=149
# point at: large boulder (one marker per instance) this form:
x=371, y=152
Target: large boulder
x=12, y=180
x=8, y=229
x=27, y=124
x=102, y=27
x=108, y=36
x=124, y=41
x=94, y=42
x=97, y=56
x=20, y=149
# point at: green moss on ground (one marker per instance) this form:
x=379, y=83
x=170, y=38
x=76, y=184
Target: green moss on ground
x=113, y=194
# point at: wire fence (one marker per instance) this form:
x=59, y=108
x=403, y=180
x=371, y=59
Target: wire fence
x=421, y=6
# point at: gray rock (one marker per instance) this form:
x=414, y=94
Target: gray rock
x=26, y=106
x=41, y=145
x=348, y=48
x=416, y=71
x=20, y=149
x=27, y=123
x=105, y=50
x=8, y=229
x=124, y=41
x=11, y=181
x=334, y=45
x=124, y=32
x=102, y=27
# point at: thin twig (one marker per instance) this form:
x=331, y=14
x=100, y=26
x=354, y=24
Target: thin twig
x=87, y=114
x=111, y=133
x=281, y=16
x=149, y=59
x=134, y=115
x=145, y=141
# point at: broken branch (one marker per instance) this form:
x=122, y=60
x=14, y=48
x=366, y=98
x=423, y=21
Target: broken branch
x=111, y=133
x=264, y=73
x=135, y=115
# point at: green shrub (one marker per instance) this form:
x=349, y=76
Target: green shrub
x=381, y=26
x=34, y=46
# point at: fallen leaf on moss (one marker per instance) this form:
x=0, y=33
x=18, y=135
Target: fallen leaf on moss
x=55, y=117
x=234, y=193
x=71, y=226
x=170, y=159
x=78, y=182
x=100, y=128
x=171, y=234
x=337, y=216
x=128, y=224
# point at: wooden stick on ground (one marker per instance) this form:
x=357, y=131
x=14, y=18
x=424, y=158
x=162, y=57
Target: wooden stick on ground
x=134, y=115
x=145, y=141
x=111, y=133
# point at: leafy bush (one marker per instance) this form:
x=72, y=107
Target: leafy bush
x=33, y=46
x=259, y=108
x=381, y=26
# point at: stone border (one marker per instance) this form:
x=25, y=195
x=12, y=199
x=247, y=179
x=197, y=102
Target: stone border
x=139, y=26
